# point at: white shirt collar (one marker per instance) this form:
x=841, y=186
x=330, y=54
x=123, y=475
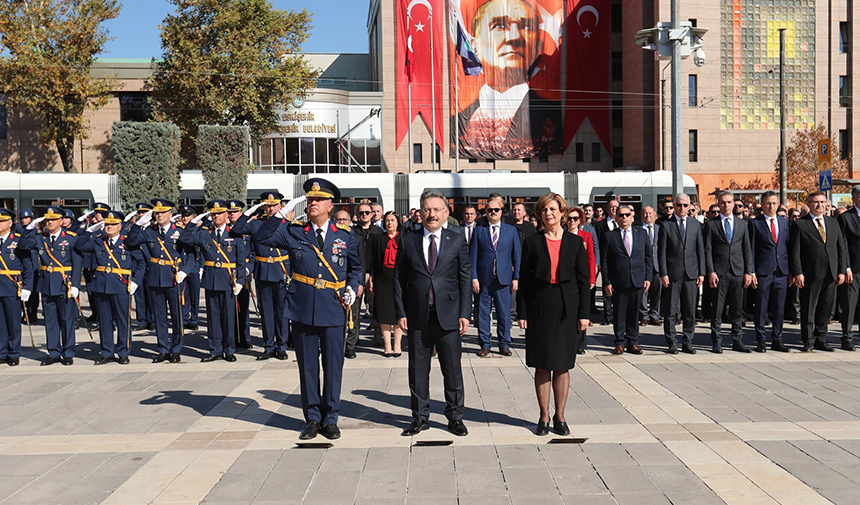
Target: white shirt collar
x=222, y=228
x=324, y=227
x=4, y=237
x=438, y=234
x=501, y=105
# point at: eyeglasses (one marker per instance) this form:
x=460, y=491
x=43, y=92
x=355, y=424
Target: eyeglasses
x=364, y=213
x=669, y=207
x=493, y=210
x=574, y=218
x=682, y=204
x=626, y=214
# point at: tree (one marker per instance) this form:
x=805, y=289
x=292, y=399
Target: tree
x=229, y=62
x=223, y=157
x=802, y=161
x=51, y=46
x=146, y=157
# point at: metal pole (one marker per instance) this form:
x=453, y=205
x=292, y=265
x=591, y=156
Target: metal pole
x=432, y=93
x=456, y=116
x=783, y=166
x=664, y=119
x=677, y=131
x=411, y=145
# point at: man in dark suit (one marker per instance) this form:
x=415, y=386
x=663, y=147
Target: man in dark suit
x=432, y=300
x=817, y=265
x=682, y=269
x=495, y=253
x=769, y=237
x=649, y=311
x=626, y=259
x=849, y=221
x=603, y=227
x=728, y=263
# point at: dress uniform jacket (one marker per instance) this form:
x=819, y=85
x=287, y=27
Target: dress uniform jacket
x=17, y=268
x=160, y=267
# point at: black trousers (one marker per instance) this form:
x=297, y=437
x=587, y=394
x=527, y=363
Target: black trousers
x=651, y=299
x=626, y=321
x=816, y=304
x=730, y=292
x=847, y=295
x=679, y=295
x=448, y=347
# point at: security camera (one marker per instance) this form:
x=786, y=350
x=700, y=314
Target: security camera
x=699, y=57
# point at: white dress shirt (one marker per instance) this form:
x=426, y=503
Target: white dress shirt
x=775, y=223
x=324, y=228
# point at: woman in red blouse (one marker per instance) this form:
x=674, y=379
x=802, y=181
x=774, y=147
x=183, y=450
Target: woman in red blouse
x=575, y=218
x=383, y=252
x=553, y=307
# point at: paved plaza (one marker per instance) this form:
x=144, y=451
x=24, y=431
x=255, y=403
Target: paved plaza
x=704, y=429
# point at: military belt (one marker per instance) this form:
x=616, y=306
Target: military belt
x=52, y=269
x=107, y=270
x=163, y=262
x=272, y=259
x=218, y=264
x=10, y=272
x=319, y=283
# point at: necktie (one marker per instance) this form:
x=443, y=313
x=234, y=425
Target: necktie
x=110, y=243
x=468, y=234
x=683, y=229
x=821, y=229
x=627, y=245
x=432, y=256
x=164, y=235
x=495, y=246
x=218, y=235
x=729, y=233
x=773, y=229
x=53, y=240
x=320, y=239
x=651, y=234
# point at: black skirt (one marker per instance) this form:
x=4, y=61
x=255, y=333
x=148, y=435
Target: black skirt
x=551, y=338
x=383, y=296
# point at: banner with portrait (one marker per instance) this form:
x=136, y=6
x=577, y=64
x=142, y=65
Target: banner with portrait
x=506, y=77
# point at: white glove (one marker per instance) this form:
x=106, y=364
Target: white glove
x=290, y=206
x=85, y=215
x=250, y=212
x=180, y=276
x=35, y=223
x=349, y=296
x=174, y=218
x=237, y=289
x=25, y=295
x=201, y=274
x=145, y=219
x=74, y=292
x=199, y=217
x=130, y=216
x=247, y=272
x=132, y=287
x=96, y=227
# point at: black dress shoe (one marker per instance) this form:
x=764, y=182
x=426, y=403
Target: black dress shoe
x=175, y=357
x=807, y=347
x=717, y=349
x=820, y=345
x=192, y=327
x=687, y=349
x=458, y=428
x=123, y=360
x=760, y=347
x=847, y=344
x=230, y=358
x=560, y=427
x=542, y=428
x=105, y=361
x=580, y=351
x=673, y=349
x=266, y=355
x=13, y=361
x=415, y=427
x=209, y=359
x=330, y=431
x=159, y=358
x=741, y=348
x=281, y=355
x=67, y=361
x=49, y=361
x=350, y=355
x=244, y=345
x=779, y=347
x=310, y=431
x=150, y=326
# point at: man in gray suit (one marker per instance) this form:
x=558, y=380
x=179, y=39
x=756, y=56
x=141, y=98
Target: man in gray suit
x=649, y=311
x=729, y=265
x=682, y=269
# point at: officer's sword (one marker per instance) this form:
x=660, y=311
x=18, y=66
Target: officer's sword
x=80, y=310
x=250, y=285
x=128, y=335
x=27, y=318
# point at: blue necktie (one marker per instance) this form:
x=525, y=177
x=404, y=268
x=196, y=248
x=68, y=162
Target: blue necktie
x=729, y=233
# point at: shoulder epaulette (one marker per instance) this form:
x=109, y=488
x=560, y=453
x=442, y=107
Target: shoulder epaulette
x=296, y=221
x=343, y=227
x=180, y=225
x=204, y=228
x=71, y=233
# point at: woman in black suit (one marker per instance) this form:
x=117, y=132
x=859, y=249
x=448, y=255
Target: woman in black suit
x=553, y=307
x=383, y=251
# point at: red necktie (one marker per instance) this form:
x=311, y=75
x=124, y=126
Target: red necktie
x=773, y=229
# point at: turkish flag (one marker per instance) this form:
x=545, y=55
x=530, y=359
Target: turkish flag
x=588, y=55
x=415, y=59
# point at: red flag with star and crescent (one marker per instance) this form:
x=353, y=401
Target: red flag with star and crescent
x=588, y=55
x=413, y=64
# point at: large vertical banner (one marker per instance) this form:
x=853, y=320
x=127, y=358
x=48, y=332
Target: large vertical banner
x=588, y=56
x=420, y=64
x=506, y=59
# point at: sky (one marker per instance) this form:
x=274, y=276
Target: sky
x=338, y=26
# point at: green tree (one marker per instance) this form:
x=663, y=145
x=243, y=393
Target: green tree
x=802, y=160
x=146, y=158
x=229, y=62
x=222, y=154
x=51, y=46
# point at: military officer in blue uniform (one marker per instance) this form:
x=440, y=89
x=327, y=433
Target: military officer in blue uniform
x=91, y=217
x=16, y=285
x=25, y=217
x=59, y=282
x=117, y=274
x=223, y=260
x=67, y=220
x=243, y=326
x=191, y=308
x=142, y=301
x=326, y=272
x=271, y=276
x=168, y=266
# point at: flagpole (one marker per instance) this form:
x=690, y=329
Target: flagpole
x=456, y=116
x=432, y=94
x=409, y=102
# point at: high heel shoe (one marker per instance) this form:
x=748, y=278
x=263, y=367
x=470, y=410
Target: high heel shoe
x=397, y=354
x=387, y=354
x=542, y=428
x=560, y=427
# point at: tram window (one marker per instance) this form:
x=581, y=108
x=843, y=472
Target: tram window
x=293, y=151
x=278, y=152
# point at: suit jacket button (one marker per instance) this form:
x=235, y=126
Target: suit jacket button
x=319, y=276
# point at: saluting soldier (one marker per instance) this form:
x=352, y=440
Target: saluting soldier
x=271, y=276
x=167, y=268
x=67, y=220
x=142, y=301
x=191, y=288
x=16, y=286
x=243, y=326
x=25, y=217
x=326, y=272
x=89, y=264
x=117, y=274
x=59, y=282
x=223, y=277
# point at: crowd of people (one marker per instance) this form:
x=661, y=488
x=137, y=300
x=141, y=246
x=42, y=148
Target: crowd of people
x=423, y=278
